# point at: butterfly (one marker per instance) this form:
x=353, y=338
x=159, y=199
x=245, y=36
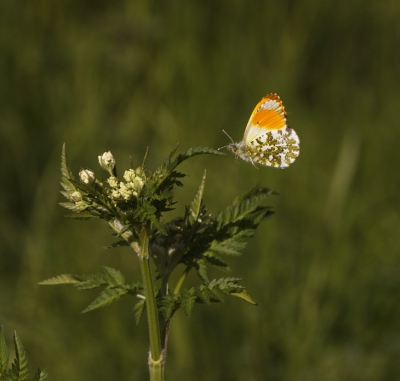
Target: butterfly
x=267, y=139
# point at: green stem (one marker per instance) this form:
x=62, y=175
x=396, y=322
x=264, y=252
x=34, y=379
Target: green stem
x=181, y=280
x=156, y=355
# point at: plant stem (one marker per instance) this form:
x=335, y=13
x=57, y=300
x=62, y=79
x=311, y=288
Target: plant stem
x=156, y=355
x=181, y=280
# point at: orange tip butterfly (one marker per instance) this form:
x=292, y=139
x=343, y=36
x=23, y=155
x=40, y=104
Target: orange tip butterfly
x=267, y=139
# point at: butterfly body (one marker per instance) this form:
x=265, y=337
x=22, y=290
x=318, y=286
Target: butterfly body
x=267, y=139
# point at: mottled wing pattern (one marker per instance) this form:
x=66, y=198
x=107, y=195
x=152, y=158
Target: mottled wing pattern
x=267, y=139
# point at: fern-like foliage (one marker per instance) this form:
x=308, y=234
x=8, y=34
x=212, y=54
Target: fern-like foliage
x=19, y=370
x=111, y=280
x=206, y=293
x=198, y=240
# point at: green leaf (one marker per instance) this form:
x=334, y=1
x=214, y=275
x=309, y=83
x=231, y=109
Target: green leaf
x=204, y=294
x=139, y=309
x=4, y=354
x=77, y=215
x=157, y=224
x=168, y=304
x=244, y=295
x=65, y=171
x=243, y=206
x=195, y=205
x=68, y=205
x=216, y=262
x=19, y=370
x=40, y=375
x=188, y=299
x=230, y=246
x=116, y=244
x=114, y=277
x=62, y=279
x=106, y=297
x=201, y=269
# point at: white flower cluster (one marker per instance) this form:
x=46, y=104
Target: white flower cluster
x=131, y=187
x=134, y=182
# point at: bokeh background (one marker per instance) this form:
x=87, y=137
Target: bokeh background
x=124, y=75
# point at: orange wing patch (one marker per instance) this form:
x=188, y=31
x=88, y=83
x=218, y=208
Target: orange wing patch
x=268, y=119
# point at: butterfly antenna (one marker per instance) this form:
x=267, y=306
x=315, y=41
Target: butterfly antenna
x=228, y=137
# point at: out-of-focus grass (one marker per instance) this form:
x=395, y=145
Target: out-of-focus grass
x=124, y=75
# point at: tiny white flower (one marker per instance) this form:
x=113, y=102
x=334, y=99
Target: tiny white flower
x=116, y=195
x=126, y=194
x=129, y=175
x=113, y=181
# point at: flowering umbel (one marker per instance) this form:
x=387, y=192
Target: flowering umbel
x=109, y=199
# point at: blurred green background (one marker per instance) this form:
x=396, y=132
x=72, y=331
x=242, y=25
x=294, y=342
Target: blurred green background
x=123, y=75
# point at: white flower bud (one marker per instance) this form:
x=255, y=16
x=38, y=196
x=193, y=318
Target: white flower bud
x=76, y=196
x=87, y=176
x=107, y=162
x=138, y=183
x=81, y=205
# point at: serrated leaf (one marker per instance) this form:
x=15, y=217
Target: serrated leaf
x=116, y=244
x=94, y=281
x=4, y=354
x=188, y=299
x=139, y=308
x=105, y=298
x=80, y=215
x=62, y=279
x=230, y=246
x=201, y=269
x=68, y=205
x=244, y=295
x=205, y=294
x=157, y=224
x=65, y=171
x=114, y=277
x=216, y=262
x=168, y=305
x=217, y=293
x=195, y=205
x=19, y=370
x=40, y=375
x=243, y=206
